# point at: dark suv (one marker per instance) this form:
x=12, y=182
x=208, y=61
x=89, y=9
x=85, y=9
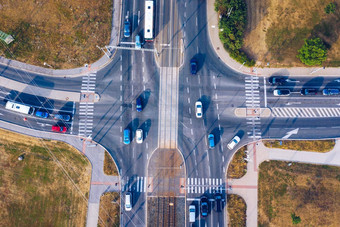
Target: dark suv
x=193, y=66
x=308, y=91
x=277, y=80
x=204, y=206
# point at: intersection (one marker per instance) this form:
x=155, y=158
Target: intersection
x=168, y=91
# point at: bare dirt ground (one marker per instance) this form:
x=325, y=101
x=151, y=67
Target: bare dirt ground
x=277, y=29
x=311, y=192
x=62, y=33
x=36, y=191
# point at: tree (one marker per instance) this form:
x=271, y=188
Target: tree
x=313, y=52
x=295, y=219
x=330, y=8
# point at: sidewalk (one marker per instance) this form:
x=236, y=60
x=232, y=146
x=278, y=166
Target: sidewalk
x=247, y=186
x=92, y=67
x=213, y=30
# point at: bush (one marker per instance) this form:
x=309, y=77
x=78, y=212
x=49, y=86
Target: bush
x=295, y=219
x=330, y=8
x=313, y=52
x=233, y=22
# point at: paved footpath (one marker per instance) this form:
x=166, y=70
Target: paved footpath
x=248, y=184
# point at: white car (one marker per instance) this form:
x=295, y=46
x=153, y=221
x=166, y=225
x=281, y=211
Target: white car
x=139, y=136
x=233, y=142
x=198, y=109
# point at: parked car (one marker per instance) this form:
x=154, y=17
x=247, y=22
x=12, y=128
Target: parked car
x=309, y=91
x=62, y=117
x=277, y=80
x=281, y=92
x=192, y=213
x=211, y=141
x=139, y=106
x=127, y=28
x=204, y=206
x=128, y=201
x=233, y=142
x=330, y=91
x=198, y=109
x=193, y=66
x=61, y=129
x=139, y=136
x=41, y=114
x=127, y=136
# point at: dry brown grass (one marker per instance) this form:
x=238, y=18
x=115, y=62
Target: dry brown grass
x=312, y=192
x=62, y=33
x=109, y=211
x=277, y=29
x=238, y=166
x=236, y=210
x=35, y=191
x=302, y=145
x=110, y=167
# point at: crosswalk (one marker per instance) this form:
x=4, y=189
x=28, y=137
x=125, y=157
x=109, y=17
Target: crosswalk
x=86, y=105
x=253, y=104
x=136, y=184
x=305, y=112
x=204, y=185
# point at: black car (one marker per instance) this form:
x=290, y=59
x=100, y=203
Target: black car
x=193, y=66
x=204, y=206
x=276, y=80
x=218, y=202
x=308, y=91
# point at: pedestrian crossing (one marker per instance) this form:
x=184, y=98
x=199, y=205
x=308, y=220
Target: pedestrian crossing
x=136, y=184
x=204, y=185
x=305, y=112
x=86, y=105
x=253, y=107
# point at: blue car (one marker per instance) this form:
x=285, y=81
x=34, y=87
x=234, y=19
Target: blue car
x=139, y=106
x=127, y=136
x=330, y=91
x=127, y=31
x=211, y=141
x=41, y=114
x=62, y=117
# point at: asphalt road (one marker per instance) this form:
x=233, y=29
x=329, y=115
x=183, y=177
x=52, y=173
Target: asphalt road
x=134, y=74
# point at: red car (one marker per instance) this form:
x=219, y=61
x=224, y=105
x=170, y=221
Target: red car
x=61, y=129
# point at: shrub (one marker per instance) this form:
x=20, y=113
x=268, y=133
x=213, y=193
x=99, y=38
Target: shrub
x=233, y=22
x=313, y=52
x=330, y=8
x=295, y=219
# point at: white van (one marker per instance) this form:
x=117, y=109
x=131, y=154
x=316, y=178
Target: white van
x=192, y=213
x=128, y=201
x=21, y=108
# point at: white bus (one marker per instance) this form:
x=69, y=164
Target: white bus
x=21, y=108
x=148, y=21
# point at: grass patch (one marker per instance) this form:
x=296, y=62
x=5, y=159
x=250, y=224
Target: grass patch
x=238, y=166
x=109, y=211
x=300, y=193
x=302, y=145
x=36, y=191
x=110, y=167
x=276, y=30
x=236, y=210
x=62, y=33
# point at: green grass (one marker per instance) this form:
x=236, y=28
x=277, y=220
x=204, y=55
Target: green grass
x=302, y=145
x=238, y=166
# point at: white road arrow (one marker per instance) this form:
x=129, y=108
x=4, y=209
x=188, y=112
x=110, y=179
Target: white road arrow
x=295, y=131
